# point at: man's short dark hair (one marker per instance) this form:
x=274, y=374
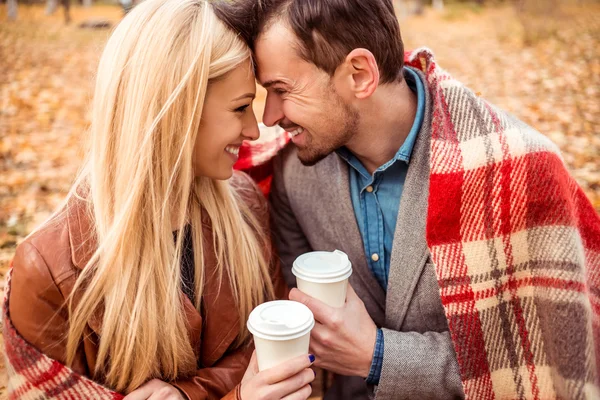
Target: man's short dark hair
x=327, y=30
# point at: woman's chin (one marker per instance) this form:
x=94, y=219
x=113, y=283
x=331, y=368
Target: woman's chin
x=217, y=175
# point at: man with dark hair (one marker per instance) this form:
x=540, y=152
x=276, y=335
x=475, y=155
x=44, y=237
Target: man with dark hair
x=475, y=255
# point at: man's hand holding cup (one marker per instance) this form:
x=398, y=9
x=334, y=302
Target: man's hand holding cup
x=343, y=338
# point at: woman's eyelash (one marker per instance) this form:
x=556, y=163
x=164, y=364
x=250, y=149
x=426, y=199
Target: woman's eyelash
x=242, y=108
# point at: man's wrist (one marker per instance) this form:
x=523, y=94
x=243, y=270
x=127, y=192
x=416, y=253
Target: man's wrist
x=377, y=360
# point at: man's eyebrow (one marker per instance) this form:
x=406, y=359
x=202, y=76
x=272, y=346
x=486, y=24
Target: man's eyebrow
x=246, y=95
x=268, y=84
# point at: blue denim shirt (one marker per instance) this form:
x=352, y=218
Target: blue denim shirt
x=376, y=199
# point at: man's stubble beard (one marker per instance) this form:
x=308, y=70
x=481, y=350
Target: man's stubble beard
x=310, y=154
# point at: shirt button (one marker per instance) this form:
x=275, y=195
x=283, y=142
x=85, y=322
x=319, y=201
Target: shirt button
x=370, y=189
x=375, y=257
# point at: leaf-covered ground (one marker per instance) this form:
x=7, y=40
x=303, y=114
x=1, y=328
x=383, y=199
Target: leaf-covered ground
x=544, y=68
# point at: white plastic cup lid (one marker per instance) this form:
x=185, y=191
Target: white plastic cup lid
x=280, y=320
x=323, y=266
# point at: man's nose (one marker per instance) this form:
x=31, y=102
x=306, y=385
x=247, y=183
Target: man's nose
x=273, y=110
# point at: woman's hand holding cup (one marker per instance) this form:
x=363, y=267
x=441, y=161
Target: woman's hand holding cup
x=288, y=381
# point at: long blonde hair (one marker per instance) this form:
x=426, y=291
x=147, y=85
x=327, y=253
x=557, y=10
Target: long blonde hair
x=150, y=89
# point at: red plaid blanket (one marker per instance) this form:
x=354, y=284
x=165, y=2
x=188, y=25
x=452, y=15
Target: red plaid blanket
x=516, y=245
x=255, y=157
x=34, y=376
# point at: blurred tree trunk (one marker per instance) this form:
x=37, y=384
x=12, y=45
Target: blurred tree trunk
x=51, y=6
x=87, y=3
x=438, y=4
x=12, y=9
x=419, y=7
x=66, y=9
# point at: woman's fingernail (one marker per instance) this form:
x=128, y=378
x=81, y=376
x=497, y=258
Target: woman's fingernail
x=311, y=357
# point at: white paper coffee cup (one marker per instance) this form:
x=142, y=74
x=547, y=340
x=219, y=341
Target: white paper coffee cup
x=323, y=275
x=281, y=331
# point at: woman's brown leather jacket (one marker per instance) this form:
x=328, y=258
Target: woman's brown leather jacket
x=47, y=264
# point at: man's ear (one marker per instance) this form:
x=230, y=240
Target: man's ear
x=359, y=73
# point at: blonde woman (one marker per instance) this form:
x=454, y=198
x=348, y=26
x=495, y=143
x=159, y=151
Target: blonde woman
x=144, y=280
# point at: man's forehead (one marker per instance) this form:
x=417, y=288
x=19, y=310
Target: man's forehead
x=276, y=54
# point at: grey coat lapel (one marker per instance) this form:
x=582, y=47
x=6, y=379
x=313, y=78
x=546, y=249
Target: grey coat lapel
x=336, y=201
x=409, y=250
